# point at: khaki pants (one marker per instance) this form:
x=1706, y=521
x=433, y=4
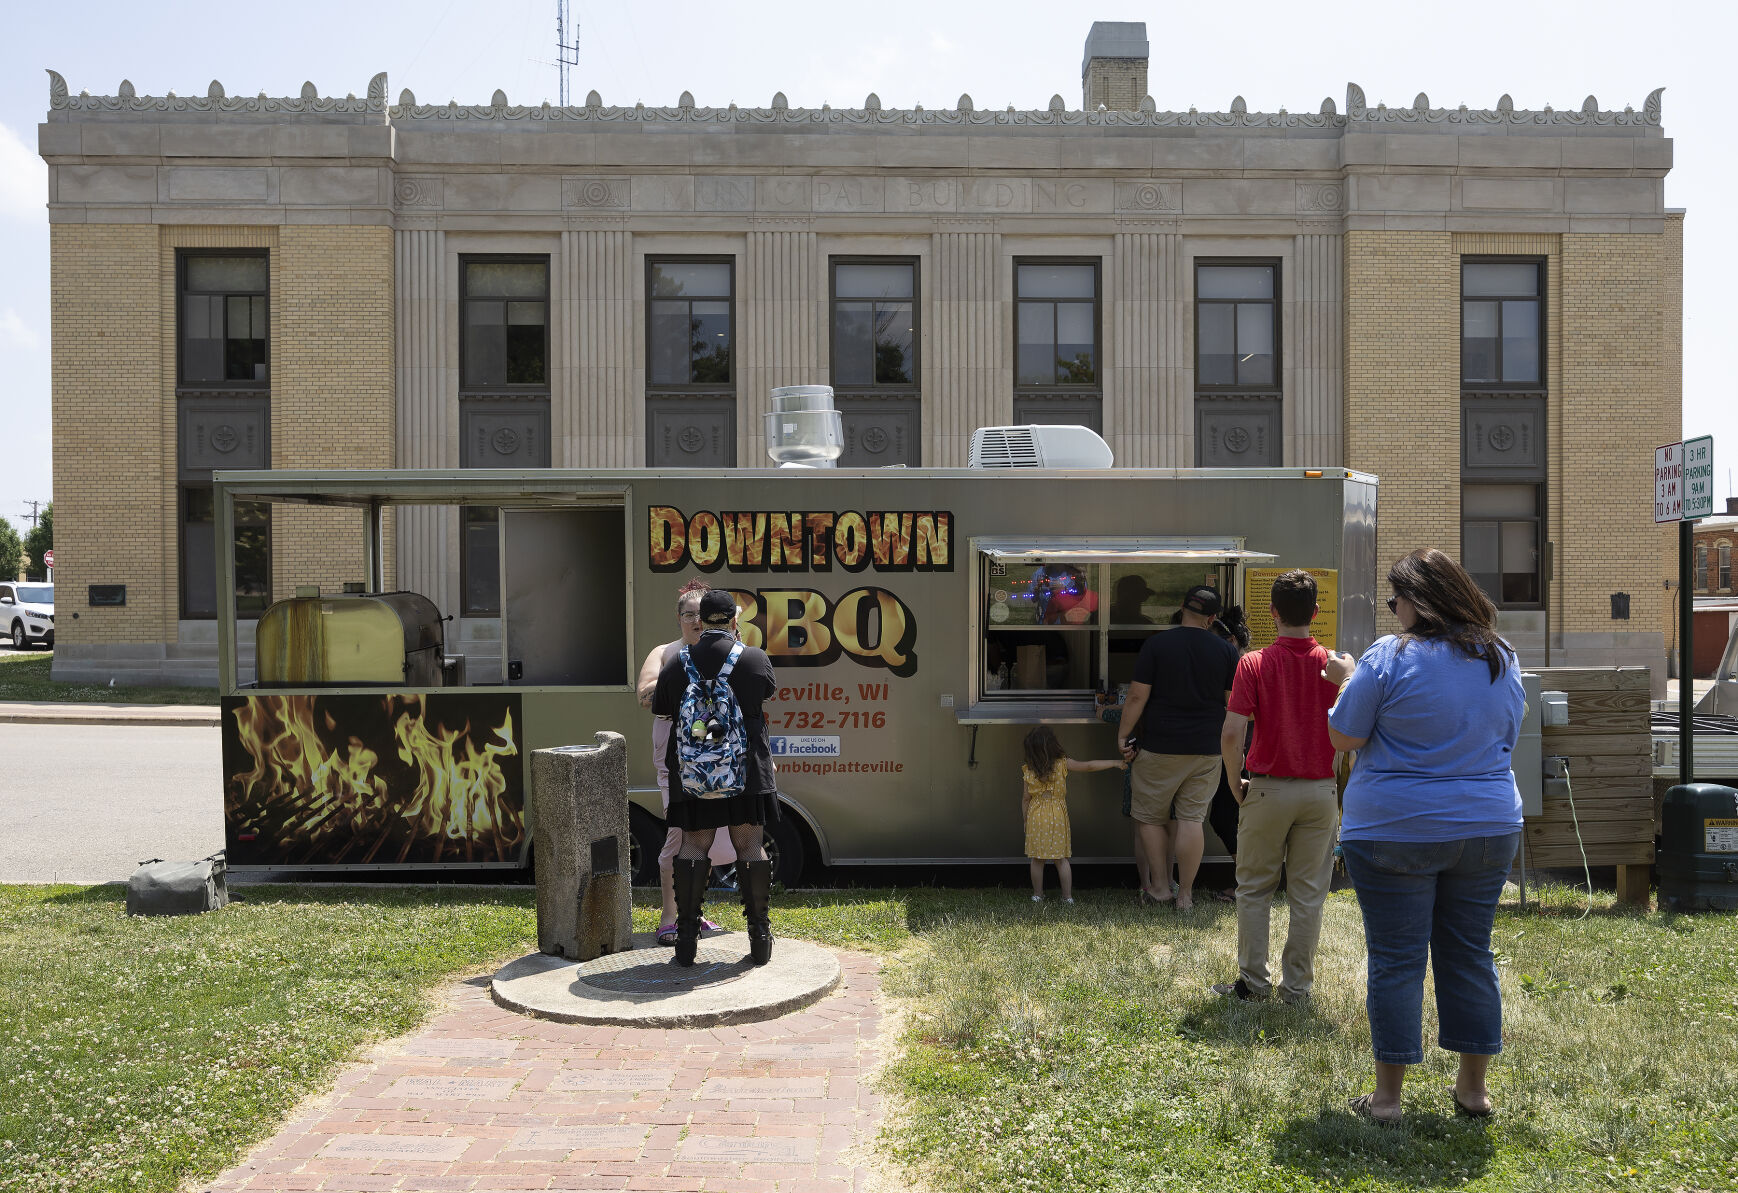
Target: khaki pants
x=1286, y=823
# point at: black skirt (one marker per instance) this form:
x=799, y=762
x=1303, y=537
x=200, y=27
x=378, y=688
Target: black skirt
x=692, y=815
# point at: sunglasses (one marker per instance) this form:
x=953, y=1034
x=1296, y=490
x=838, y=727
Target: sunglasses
x=1392, y=601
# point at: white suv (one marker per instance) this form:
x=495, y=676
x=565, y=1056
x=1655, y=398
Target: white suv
x=27, y=614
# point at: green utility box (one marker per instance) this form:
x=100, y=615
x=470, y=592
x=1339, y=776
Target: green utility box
x=1698, y=855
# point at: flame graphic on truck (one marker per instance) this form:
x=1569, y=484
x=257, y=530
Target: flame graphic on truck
x=405, y=781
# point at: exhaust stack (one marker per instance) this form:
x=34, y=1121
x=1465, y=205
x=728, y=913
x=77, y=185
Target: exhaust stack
x=803, y=430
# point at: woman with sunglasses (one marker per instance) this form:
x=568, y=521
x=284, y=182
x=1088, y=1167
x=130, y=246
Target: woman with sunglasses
x=1432, y=821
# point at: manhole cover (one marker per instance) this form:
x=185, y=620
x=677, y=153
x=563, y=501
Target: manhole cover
x=645, y=972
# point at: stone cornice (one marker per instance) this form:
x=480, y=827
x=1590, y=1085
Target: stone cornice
x=1359, y=115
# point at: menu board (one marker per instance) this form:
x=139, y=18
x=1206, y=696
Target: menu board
x=1258, y=605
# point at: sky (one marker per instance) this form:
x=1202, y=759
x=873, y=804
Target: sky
x=1013, y=51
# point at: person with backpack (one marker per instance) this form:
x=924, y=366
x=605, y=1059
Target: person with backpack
x=720, y=767
x=688, y=619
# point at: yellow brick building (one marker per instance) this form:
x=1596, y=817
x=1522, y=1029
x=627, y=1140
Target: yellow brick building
x=1483, y=307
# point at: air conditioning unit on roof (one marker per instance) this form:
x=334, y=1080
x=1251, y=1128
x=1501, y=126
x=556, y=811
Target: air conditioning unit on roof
x=1039, y=447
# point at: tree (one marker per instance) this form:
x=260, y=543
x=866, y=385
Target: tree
x=11, y=551
x=39, y=538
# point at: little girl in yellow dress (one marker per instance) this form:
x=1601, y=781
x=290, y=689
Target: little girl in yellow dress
x=1044, y=805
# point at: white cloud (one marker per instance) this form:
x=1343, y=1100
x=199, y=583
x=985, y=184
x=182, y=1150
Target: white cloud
x=14, y=330
x=23, y=179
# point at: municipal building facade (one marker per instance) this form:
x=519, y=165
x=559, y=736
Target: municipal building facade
x=1481, y=306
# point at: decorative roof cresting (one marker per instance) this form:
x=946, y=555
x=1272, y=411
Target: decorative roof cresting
x=1357, y=112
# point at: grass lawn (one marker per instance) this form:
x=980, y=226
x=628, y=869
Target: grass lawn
x=24, y=676
x=1045, y=1048
x=1057, y=1048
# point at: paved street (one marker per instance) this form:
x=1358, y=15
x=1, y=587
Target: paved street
x=86, y=803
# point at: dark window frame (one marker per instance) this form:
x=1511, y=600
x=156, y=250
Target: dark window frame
x=468, y=259
x=1277, y=386
x=1094, y=389
x=692, y=387
x=519, y=389
x=1701, y=567
x=903, y=389
x=1541, y=264
x=182, y=256
x=183, y=489
x=1539, y=518
x=1723, y=556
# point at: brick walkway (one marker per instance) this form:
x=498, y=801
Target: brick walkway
x=483, y=1100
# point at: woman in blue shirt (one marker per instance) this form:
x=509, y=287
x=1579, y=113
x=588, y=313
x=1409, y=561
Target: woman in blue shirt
x=1432, y=820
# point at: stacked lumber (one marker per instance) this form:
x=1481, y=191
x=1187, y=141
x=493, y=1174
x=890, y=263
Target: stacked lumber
x=1609, y=745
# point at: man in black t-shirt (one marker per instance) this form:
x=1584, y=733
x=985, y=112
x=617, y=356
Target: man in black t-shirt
x=752, y=682
x=1170, y=735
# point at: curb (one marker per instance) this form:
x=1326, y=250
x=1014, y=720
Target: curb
x=102, y=714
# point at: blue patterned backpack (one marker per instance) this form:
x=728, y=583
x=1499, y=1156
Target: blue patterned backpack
x=711, y=742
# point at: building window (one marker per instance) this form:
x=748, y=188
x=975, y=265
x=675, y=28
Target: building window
x=504, y=311
x=1056, y=324
x=1056, y=337
x=1499, y=540
x=1236, y=325
x=1502, y=324
x=503, y=380
x=1725, y=553
x=1702, y=568
x=253, y=555
x=874, y=345
x=1050, y=629
x=691, y=327
x=225, y=319
x=874, y=324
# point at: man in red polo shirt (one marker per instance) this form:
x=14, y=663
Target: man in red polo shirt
x=1289, y=808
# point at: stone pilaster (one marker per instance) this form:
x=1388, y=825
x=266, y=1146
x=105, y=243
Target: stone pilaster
x=598, y=414
x=426, y=415
x=1148, y=410
x=780, y=329
x=1312, y=343
x=968, y=374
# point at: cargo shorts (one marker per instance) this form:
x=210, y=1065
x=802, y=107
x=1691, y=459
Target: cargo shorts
x=1169, y=787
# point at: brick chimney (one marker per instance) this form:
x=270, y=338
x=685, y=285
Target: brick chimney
x=1114, y=70
x=1732, y=507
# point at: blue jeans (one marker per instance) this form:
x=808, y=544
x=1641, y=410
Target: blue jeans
x=1435, y=899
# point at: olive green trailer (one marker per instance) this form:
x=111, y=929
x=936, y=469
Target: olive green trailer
x=920, y=621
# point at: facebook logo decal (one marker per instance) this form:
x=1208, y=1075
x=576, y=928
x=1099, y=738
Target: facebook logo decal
x=804, y=747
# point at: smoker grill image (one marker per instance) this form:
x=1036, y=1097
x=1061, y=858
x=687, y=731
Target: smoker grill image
x=362, y=638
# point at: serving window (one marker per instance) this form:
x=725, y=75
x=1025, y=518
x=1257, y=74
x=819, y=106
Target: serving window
x=1058, y=623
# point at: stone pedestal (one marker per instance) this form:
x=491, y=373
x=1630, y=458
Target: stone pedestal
x=579, y=803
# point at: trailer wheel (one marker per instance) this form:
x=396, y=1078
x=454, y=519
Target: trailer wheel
x=645, y=839
x=784, y=849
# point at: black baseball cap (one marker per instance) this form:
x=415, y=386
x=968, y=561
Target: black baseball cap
x=1199, y=599
x=717, y=607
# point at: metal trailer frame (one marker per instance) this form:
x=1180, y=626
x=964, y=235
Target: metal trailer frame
x=963, y=810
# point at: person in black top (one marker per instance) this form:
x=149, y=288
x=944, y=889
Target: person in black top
x=1170, y=734
x=745, y=814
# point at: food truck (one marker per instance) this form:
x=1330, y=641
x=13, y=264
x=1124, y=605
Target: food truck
x=920, y=622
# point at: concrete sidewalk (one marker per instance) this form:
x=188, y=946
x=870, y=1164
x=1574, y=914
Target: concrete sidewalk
x=485, y=1099
x=21, y=712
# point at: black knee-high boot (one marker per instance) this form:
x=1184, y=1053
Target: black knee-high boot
x=756, y=892
x=688, y=876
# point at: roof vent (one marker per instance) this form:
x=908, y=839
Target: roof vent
x=803, y=430
x=1039, y=447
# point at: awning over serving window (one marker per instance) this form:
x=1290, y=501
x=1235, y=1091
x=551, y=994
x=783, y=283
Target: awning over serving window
x=1040, y=549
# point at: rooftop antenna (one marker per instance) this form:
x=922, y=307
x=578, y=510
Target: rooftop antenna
x=566, y=53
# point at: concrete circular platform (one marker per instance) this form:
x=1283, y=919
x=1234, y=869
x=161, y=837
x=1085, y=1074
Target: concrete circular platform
x=646, y=988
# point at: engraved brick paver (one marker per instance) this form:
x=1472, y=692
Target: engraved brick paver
x=483, y=1100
